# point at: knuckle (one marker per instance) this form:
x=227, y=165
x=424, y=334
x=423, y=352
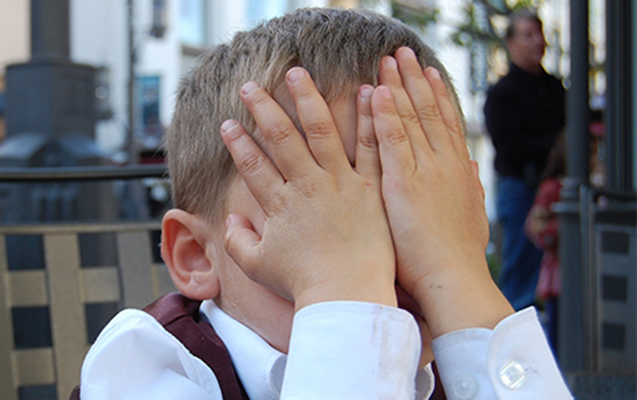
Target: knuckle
x=395, y=137
x=279, y=134
x=430, y=112
x=367, y=142
x=319, y=129
x=251, y=163
x=409, y=117
x=309, y=189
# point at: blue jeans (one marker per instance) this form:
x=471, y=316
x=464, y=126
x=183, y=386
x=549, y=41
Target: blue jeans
x=520, y=258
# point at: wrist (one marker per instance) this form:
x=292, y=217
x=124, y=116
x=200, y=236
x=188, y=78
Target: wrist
x=378, y=291
x=461, y=298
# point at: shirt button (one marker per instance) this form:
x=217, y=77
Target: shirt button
x=512, y=375
x=465, y=387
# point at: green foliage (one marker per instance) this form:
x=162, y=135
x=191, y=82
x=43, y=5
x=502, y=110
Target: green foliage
x=477, y=24
x=419, y=17
x=520, y=4
x=481, y=28
x=474, y=28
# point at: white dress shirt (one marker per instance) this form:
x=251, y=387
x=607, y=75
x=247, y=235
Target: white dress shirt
x=338, y=350
x=512, y=361
x=260, y=366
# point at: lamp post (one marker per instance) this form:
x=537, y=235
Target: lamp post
x=132, y=59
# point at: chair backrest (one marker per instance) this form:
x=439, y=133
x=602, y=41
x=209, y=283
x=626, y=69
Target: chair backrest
x=67, y=298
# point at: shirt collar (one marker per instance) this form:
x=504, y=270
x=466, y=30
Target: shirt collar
x=259, y=366
x=520, y=72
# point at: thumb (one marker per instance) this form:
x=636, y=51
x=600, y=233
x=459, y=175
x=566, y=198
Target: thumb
x=241, y=242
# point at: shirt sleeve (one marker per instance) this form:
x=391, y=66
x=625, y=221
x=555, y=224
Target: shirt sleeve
x=135, y=358
x=352, y=350
x=512, y=361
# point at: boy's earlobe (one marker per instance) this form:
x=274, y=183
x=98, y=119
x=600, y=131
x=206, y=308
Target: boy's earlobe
x=184, y=250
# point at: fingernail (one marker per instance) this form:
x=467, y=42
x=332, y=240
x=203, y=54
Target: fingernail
x=231, y=220
x=248, y=87
x=366, y=91
x=408, y=51
x=434, y=73
x=390, y=63
x=295, y=74
x=384, y=91
x=228, y=125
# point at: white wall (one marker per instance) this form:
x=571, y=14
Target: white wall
x=225, y=19
x=160, y=57
x=15, y=32
x=99, y=37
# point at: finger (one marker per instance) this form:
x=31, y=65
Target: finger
x=287, y=147
x=390, y=76
x=396, y=156
x=448, y=112
x=322, y=136
x=423, y=100
x=256, y=169
x=367, y=161
x=241, y=242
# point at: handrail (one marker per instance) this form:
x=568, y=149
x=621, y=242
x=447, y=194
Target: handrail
x=616, y=195
x=72, y=227
x=90, y=173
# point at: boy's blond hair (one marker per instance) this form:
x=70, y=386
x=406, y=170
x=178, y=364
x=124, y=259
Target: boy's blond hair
x=341, y=49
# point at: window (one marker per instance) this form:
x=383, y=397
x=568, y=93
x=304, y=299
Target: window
x=192, y=18
x=261, y=10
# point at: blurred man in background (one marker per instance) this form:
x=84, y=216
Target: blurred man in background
x=524, y=113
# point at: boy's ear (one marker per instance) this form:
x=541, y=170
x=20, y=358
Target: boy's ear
x=184, y=242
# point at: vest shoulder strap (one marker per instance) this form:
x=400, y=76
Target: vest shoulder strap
x=180, y=316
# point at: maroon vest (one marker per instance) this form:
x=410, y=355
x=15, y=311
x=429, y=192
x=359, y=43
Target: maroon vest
x=180, y=316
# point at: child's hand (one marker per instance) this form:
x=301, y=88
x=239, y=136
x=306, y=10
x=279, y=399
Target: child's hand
x=325, y=235
x=433, y=198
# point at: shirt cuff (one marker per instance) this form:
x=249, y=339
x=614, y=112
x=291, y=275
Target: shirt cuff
x=511, y=361
x=352, y=350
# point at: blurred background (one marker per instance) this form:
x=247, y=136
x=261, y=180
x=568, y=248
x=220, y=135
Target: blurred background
x=87, y=89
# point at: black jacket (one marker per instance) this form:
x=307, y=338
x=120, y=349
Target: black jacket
x=524, y=113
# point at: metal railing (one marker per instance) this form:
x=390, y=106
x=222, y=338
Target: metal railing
x=56, y=174
x=65, y=288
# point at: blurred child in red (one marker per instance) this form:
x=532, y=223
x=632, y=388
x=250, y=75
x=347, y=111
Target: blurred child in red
x=542, y=228
x=542, y=224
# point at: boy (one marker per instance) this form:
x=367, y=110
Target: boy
x=318, y=231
